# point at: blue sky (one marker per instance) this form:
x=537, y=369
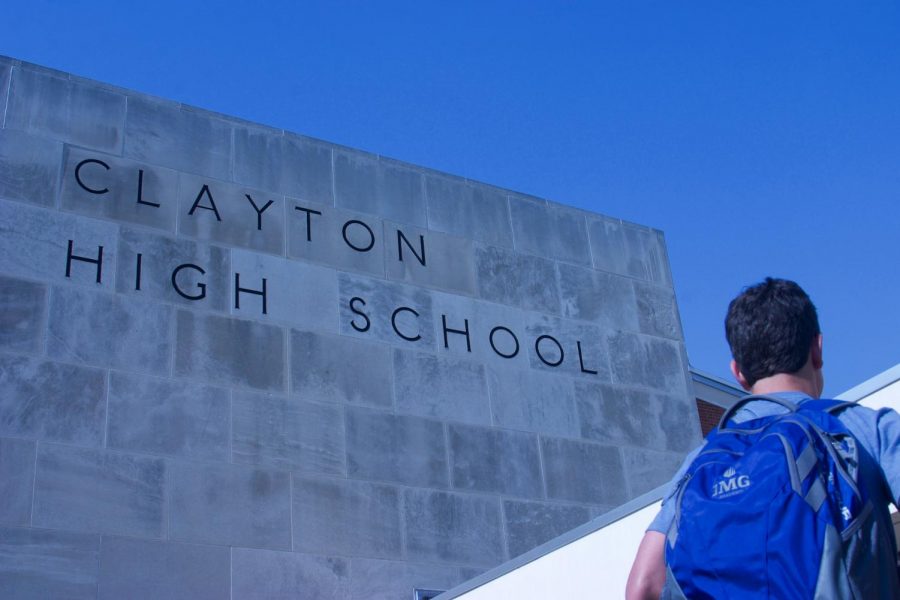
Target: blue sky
x=763, y=138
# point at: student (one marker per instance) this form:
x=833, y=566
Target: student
x=776, y=345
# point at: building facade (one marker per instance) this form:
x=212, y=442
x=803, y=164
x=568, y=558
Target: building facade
x=239, y=362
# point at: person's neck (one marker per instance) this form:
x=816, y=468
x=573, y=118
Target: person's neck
x=786, y=382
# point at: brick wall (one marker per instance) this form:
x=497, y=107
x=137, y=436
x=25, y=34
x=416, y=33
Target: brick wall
x=709, y=414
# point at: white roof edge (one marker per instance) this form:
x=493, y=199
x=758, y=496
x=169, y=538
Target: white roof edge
x=718, y=382
x=607, y=518
x=870, y=386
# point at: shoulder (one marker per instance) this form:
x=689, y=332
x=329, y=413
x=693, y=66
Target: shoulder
x=877, y=429
x=858, y=416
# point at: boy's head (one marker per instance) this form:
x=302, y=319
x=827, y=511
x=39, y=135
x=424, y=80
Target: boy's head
x=771, y=327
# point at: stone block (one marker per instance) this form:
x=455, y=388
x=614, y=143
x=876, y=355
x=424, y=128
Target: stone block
x=66, y=110
x=648, y=469
x=444, y=387
x=516, y=279
x=34, y=244
x=470, y=210
x=23, y=305
x=37, y=564
x=286, y=433
x=530, y=524
x=603, y=298
x=222, y=212
x=647, y=361
x=583, y=472
x=617, y=415
x=373, y=579
x=629, y=249
x=599, y=511
x=331, y=368
x=51, y=401
x=469, y=573
x=656, y=310
x=268, y=575
x=229, y=505
x=495, y=332
x=568, y=347
x=429, y=258
x=147, y=570
x=375, y=186
x=531, y=401
x=346, y=518
x=296, y=293
x=386, y=447
x=101, y=329
x=16, y=480
x=283, y=163
x=680, y=423
x=173, y=270
x=99, y=185
x=389, y=312
x=492, y=460
x=29, y=168
x=99, y=491
x=230, y=351
x=159, y=416
x=550, y=231
x=631, y=417
x=168, y=135
x=454, y=528
x=335, y=237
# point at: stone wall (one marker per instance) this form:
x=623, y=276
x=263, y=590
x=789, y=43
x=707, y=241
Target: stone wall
x=235, y=360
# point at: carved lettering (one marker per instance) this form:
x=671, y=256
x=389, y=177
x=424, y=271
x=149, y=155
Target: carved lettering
x=259, y=211
x=554, y=341
x=181, y=292
x=511, y=335
x=70, y=256
x=420, y=255
x=238, y=290
x=464, y=332
x=84, y=186
x=353, y=302
x=309, y=213
x=408, y=338
x=140, y=191
x=204, y=191
x=364, y=248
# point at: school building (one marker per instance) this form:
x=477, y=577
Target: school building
x=238, y=362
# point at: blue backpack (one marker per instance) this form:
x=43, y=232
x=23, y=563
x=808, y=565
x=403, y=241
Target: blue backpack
x=770, y=508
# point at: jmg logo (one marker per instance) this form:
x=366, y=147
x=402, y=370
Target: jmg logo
x=730, y=484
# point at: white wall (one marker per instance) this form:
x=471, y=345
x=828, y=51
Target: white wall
x=594, y=566
x=888, y=396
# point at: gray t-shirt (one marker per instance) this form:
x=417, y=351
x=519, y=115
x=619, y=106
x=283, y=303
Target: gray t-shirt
x=878, y=432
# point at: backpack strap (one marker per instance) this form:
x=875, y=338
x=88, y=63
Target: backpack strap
x=830, y=406
x=723, y=422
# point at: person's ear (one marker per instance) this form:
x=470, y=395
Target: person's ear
x=738, y=376
x=815, y=352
